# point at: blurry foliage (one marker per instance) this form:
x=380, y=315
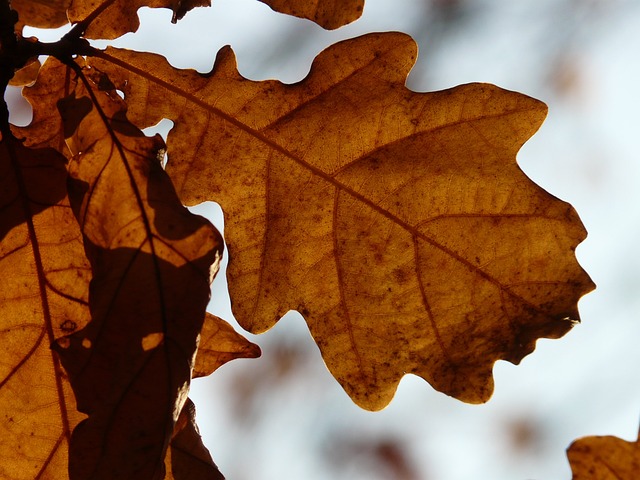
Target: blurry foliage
x=380, y=457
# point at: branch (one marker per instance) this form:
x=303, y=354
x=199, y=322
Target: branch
x=16, y=51
x=8, y=44
x=8, y=20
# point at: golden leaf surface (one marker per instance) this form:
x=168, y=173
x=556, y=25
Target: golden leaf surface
x=219, y=344
x=604, y=458
x=105, y=19
x=152, y=263
x=43, y=296
x=35, y=13
x=108, y=19
x=27, y=74
x=398, y=223
x=329, y=14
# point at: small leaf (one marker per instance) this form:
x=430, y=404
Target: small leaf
x=398, y=223
x=152, y=263
x=43, y=297
x=328, y=14
x=27, y=74
x=604, y=458
x=219, y=344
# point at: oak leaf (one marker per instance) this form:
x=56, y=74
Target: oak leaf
x=108, y=19
x=152, y=262
x=46, y=127
x=329, y=14
x=43, y=297
x=604, y=458
x=218, y=342
x=398, y=223
x=39, y=14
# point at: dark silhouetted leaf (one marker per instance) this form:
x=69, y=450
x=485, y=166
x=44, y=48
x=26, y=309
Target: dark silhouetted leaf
x=46, y=130
x=398, y=223
x=36, y=13
x=188, y=458
x=152, y=263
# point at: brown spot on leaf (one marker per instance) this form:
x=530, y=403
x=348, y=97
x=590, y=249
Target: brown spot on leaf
x=68, y=326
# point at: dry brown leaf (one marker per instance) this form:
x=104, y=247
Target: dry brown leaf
x=187, y=457
x=106, y=18
x=398, y=223
x=604, y=458
x=110, y=19
x=46, y=129
x=329, y=14
x=27, y=74
x=41, y=14
x=219, y=344
x=152, y=263
x=43, y=296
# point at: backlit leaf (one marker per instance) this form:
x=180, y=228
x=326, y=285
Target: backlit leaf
x=27, y=74
x=106, y=18
x=604, y=458
x=113, y=18
x=398, y=223
x=187, y=457
x=219, y=344
x=329, y=14
x=43, y=296
x=49, y=14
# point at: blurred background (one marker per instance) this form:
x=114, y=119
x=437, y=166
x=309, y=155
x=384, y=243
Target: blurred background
x=283, y=416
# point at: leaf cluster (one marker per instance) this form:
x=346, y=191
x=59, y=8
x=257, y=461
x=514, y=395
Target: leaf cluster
x=398, y=223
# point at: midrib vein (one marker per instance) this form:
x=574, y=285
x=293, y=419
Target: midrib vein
x=324, y=175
